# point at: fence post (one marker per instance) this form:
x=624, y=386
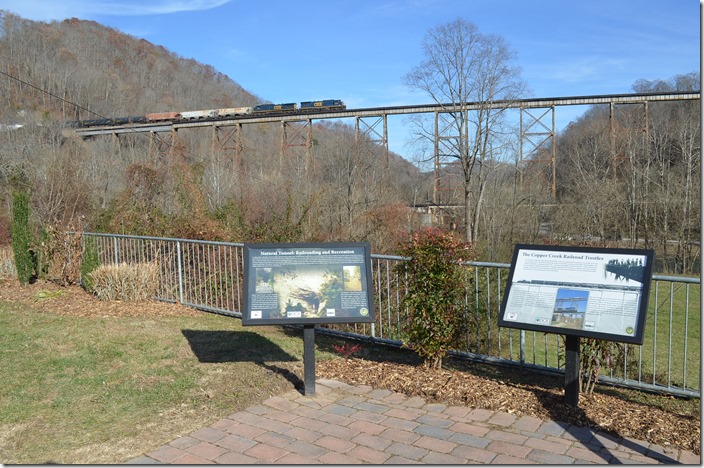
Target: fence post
x=523, y=346
x=114, y=244
x=180, y=273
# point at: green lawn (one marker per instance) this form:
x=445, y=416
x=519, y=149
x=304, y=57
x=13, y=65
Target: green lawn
x=105, y=390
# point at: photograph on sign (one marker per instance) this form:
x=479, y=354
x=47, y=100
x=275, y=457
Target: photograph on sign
x=307, y=283
x=591, y=292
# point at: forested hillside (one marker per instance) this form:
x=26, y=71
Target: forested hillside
x=619, y=181
x=54, y=73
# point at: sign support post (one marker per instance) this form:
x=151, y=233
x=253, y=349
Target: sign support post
x=309, y=360
x=572, y=370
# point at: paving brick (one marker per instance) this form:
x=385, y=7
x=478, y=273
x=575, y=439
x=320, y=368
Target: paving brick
x=396, y=460
x=549, y=458
x=340, y=410
x=143, y=460
x=235, y=443
x=432, y=420
x=479, y=414
x=399, y=423
x=275, y=439
x=642, y=459
x=502, y=459
x=434, y=458
x=190, y=459
x=474, y=454
x=527, y=423
x=335, y=444
x=379, y=394
x=332, y=458
x=300, y=433
x=304, y=448
x=224, y=424
x=339, y=431
x=398, y=435
x=261, y=410
x=553, y=428
x=296, y=459
x=580, y=454
x=470, y=429
x=507, y=448
x=206, y=450
x=435, y=445
x=405, y=450
x=368, y=416
x=689, y=458
x=282, y=416
x=434, y=431
x=372, y=407
x=360, y=389
x=407, y=414
x=208, y=434
x=458, y=413
x=367, y=427
x=184, y=442
x=415, y=402
x=369, y=454
x=265, y=453
x=375, y=442
x=546, y=445
x=166, y=454
x=235, y=458
x=280, y=403
x=308, y=423
x=511, y=437
x=435, y=407
x=394, y=398
x=502, y=419
x=245, y=430
x=470, y=440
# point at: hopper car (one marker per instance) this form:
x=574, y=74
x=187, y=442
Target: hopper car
x=214, y=114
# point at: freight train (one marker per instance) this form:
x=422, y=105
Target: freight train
x=214, y=114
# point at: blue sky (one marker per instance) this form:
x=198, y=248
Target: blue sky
x=358, y=50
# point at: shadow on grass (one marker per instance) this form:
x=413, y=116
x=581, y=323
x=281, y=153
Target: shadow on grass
x=218, y=346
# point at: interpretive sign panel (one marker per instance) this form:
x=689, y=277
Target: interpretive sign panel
x=583, y=291
x=307, y=283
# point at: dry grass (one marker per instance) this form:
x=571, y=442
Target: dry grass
x=131, y=282
x=7, y=262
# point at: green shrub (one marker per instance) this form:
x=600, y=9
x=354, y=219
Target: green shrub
x=22, y=237
x=436, y=289
x=89, y=262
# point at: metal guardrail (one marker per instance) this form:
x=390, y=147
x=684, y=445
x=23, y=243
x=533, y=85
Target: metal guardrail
x=208, y=276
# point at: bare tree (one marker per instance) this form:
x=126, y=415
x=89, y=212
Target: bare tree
x=467, y=72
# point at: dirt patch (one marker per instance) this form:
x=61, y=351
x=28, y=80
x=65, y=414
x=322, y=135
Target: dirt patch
x=75, y=301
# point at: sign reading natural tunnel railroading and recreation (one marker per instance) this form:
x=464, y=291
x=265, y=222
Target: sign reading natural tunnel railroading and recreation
x=307, y=283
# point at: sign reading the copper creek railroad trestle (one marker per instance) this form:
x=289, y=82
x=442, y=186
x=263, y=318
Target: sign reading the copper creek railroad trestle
x=580, y=291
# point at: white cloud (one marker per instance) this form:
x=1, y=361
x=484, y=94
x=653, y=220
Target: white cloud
x=47, y=10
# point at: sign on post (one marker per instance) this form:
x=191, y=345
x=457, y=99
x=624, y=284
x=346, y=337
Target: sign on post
x=578, y=292
x=308, y=284
x=581, y=291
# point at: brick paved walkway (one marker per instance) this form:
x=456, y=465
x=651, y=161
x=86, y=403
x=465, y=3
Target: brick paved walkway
x=342, y=424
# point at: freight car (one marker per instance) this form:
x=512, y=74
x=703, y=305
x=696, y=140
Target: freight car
x=214, y=114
